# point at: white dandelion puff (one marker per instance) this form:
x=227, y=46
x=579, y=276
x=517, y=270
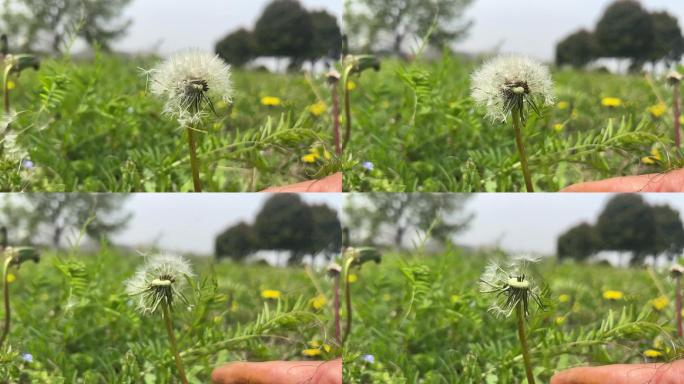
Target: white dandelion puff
x=511, y=285
x=509, y=82
x=160, y=280
x=190, y=83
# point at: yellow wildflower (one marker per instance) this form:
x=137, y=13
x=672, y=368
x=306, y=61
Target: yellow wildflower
x=563, y=105
x=658, y=110
x=311, y=352
x=560, y=320
x=653, y=158
x=270, y=294
x=659, y=303
x=318, y=302
x=455, y=299
x=611, y=102
x=318, y=109
x=314, y=343
x=11, y=278
x=564, y=298
x=652, y=353
x=271, y=101
x=612, y=295
x=11, y=85
x=351, y=85
x=558, y=127
x=310, y=158
x=353, y=278
x=327, y=348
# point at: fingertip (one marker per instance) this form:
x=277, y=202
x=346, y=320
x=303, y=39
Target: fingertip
x=225, y=374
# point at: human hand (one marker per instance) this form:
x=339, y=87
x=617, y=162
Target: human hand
x=659, y=182
x=280, y=372
x=331, y=183
x=670, y=373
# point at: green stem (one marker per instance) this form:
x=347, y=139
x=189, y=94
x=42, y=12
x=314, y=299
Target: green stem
x=336, y=309
x=6, y=298
x=347, y=299
x=5, y=88
x=523, y=343
x=194, y=162
x=172, y=339
x=347, y=112
x=336, y=117
x=517, y=124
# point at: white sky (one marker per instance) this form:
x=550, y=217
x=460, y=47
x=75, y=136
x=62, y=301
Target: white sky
x=190, y=222
x=168, y=26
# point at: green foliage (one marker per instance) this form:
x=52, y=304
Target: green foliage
x=625, y=31
x=388, y=24
x=238, y=48
x=71, y=314
x=418, y=126
x=327, y=36
x=424, y=321
x=668, y=44
x=628, y=224
x=91, y=126
x=579, y=243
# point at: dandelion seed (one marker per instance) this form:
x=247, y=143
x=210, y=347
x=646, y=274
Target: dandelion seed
x=191, y=82
x=159, y=281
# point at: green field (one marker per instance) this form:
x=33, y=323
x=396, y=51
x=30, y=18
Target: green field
x=71, y=314
x=419, y=127
x=91, y=126
x=424, y=320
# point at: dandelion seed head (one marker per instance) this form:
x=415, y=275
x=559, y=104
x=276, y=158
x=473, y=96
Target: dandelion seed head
x=510, y=285
x=674, y=78
x=676, y=270
x=190, y=83
x=161, y=279
x=508, y=82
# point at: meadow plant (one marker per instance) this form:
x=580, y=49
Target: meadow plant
x=514, y=290
x=353, y=65
x=189, y=83
x=351, y=258
x=676, y=271
x=334, y=271
x=13, y=256
x=334, y=81
x=507, y=85
x=674, y=79
x=159, y=284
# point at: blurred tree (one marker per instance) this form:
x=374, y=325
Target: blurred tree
x=285, y=29
x=50, y=24
x=33, y=216
x=237, y=242
x=577, y=50
x=327, y=37
x=327, y=233
x=370, y=22
x=626, y=31
x=238, y=48
x=285, y=223
x=628, y=224
x=668, y=44
x=386, y=218
x=669, y=231
x=579, y=243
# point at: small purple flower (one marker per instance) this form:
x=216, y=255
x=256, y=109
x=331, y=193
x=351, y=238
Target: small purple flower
x=368, y=166
x=370, y=359
x=27, y=164
x=27, y=357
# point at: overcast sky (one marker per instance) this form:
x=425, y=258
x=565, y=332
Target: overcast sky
x=168, y=26
x=526, y=26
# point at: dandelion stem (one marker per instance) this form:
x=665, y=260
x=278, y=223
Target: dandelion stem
x=347, y=113
x=517, y=124
x=678, y=306
x=336, y=117
x=194, y=162
x=523, y=343
x=677, y=115
x=336, y=309
x=172, y=339
x=6, y=299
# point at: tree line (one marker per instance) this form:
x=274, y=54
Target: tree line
x=284, y=223
x=625, y=31
x=627, y=224
x=285, y=29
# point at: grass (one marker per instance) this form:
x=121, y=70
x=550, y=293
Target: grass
x=71, y=314
x=90, y=126
x=425, y=321
x=419, y=127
